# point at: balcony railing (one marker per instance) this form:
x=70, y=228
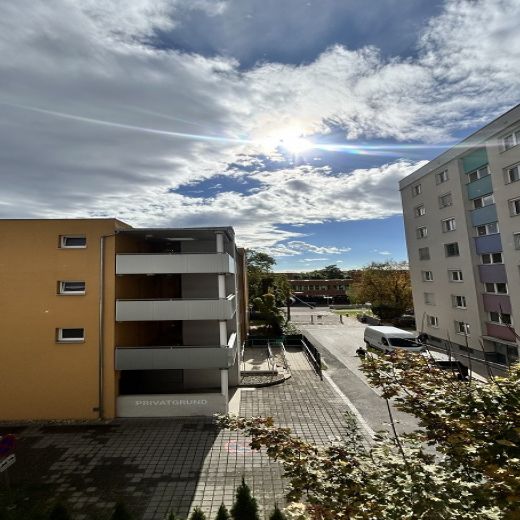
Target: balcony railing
x=185, y=357
x=484, y=215
x=500, y=331
x=492, y=273
x=480, y=187
x=497, y=303
x=488, y=244
x=175, y=263
x=181, y=309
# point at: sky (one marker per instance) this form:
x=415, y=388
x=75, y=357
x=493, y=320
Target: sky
x=290, y=120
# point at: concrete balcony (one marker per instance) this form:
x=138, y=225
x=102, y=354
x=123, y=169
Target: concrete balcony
x=488, y=244
x=484, y=215
x=480, y=187
x=169, y=358
x=500, y=332
x=497, y=303
x=172, y=310
x=492, y=273
x=174, y=263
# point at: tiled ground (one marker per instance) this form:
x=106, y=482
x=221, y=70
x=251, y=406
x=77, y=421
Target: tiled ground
x=160, y=465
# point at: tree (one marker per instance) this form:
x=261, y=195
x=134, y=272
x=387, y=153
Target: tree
x=198, y=514
x=386, y=286
x=245, y=506
x=259, y=271
x=472, y=472
x=222, y=513
x=329, y=272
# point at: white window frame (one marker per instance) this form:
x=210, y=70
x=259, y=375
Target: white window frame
x=494, y=289
x=421, y=232
x=427, y=276
x=446, y=226
x=488, y=258
x=416, y=190
x=451, y=275
x=514, y=206
x=429, y=298
x=441, y=177
x=461, y=327
x=483, y=200
x=459, y=304
x=516, y=240
x=433, y=321
x=512, y=173
x=515, y=139
x=486, y=229
x=477, y=174
x=64, y=238
x=427, y=249
x=420, y=210
x=442, y=204
x=61, y=339
x=62, y=287
x=500, y=319
x=446, y=246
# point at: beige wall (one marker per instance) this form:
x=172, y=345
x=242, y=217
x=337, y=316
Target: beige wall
x=45, y=379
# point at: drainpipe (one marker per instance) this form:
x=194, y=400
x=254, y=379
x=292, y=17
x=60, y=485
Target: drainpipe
x=101, y=340
x=224, y=374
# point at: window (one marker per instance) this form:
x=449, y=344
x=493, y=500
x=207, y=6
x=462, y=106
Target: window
x=497, y=317
x=481, y=202
x=478, y=174
x=459, y=301
x=427, y=276
x=445, y=200
x=429, y=298
x=514, y=207
x=487, y=229
x=496, y=287
x=416, y=190
x=516, y=240
x=422, y=232
x=452, y=249
x=448, y=225
x=73, y=241
x=441, y=177
x=433, y=321
x=512, y=174
x=461, y=327
x=424, y=253
x=511, y=140
x=455, y=275
x=71, y=335
x=71, y=288
x=492, y=258
x=420, y=211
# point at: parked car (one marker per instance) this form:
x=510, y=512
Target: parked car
x=388, y=339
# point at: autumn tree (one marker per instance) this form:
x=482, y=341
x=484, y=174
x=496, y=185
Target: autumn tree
x=463, y=463
x=386, y=286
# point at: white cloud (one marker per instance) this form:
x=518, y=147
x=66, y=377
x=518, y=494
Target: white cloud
x=91, y=59
x=300, y=246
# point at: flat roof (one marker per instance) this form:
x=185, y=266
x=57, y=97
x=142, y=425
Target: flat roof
x=181, y=233
x=476, y=139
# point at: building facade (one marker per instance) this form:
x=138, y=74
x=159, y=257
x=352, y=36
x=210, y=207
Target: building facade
x=462, y=223
x=101, y=320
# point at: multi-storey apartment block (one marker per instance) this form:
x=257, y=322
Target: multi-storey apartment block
x=462, y=222
x=98, y=319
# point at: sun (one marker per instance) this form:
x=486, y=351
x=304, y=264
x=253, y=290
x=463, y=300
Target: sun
x=295, y=145
x=289, y=139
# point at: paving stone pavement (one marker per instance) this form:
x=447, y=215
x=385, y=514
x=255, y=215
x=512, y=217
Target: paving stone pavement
x=157, y=466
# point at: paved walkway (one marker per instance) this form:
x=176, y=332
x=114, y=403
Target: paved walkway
x=160, y=465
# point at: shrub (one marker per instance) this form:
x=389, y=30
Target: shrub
x=277, y=514
x=245, y=506
x=121, y=513
x=223, y=513
x=197, y=514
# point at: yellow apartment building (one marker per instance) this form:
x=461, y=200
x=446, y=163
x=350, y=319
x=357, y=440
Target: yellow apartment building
x=102, y=320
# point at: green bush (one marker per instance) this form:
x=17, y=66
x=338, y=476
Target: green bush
x=245, y=506
x=223, y=513
x=121, y=513
x=277, y=514
x=59, y=512
x=197, y=514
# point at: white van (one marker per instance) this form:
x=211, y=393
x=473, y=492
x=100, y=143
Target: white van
x=390, y=338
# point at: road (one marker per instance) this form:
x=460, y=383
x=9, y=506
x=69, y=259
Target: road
x=338, y=343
